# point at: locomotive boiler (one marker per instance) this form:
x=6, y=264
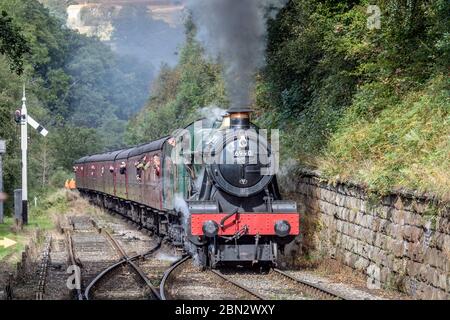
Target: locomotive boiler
x=210, y=188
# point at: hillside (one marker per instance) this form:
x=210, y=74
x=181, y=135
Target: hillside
x=77, y=87
x=371, y=106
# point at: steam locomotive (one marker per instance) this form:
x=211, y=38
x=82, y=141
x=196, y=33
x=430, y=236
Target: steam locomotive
x=210, y=188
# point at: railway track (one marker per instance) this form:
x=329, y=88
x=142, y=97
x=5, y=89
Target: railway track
x=311, y=288
x=72, y=259
x=42, y=271
x=279, y=285
x=174, y=282
x=125, y=260
x=100, y=250
x=215, y=280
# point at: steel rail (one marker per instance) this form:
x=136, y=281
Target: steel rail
x=43, y=270
x=312, y=288
x=124, y=260
x=72, y=258
x=167, y=273
x=240, y=286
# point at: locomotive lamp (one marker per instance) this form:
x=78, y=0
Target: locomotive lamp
x=240, y=116
x=240, y=119
x=282, y=228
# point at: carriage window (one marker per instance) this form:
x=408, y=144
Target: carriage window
x=123, y=168
x=157, y=164
x=140, y=167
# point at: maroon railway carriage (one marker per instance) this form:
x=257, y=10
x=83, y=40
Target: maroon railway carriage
x=116, y=175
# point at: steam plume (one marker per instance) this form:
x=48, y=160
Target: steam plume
x=235, y=32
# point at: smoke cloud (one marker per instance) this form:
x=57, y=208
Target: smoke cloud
x=235, y=32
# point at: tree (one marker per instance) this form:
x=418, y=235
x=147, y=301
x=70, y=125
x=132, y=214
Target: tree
x=12, y=43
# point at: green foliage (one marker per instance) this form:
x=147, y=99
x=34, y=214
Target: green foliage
x=12, y=43
x=360, y=104
x=77, y=88
x=406, y=145
x=71, y=143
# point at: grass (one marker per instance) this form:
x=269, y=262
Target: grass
x=405, y=145
x=40, y=218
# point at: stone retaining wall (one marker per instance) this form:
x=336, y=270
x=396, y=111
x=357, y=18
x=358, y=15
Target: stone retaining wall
x=401, y=240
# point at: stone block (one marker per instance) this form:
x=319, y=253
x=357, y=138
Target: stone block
x=380, y=240
x=398, y=248
x=383, y=226
x=432, y=257
x=368, y=221
x=329, y=196
x=432, y=276
x=363, y=207
x=373, y=272
x=352, y=203
x=340, y=200
x=446, y=246
x=374, y=254
x=398, y=203
x=443, y=225
x=369, y=236
x=439, y=239
x=442, y=282
x=389, y=243
x=398, y=217
x=414, y=251
x=358, y=218
x=412, y=233
x=409, y=218
x=387, y=260
x=418, y=207
x=375, y=225
x=327, y=208
x=399, y=266
x=385, y=275
x=339, y=225
x=412, y=268
x=352, y=216
x=361, y=263
x=429, y=293
x=394, y=231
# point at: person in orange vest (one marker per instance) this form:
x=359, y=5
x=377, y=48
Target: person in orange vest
x=72, y=184
x=66, y=185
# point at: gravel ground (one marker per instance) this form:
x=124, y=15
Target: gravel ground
x=191, y=283
x=271, y=285
x=340, y=278
x=346, y=291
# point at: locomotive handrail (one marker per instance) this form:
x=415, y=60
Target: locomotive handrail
x=222, y=222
